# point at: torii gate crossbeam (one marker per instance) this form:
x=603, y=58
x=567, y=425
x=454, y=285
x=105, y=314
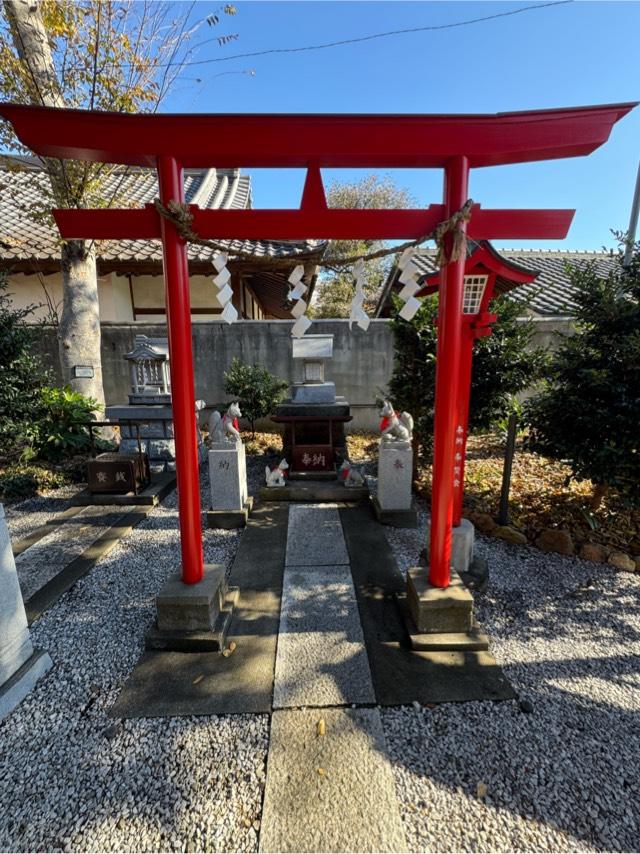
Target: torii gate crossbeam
x=455, y=143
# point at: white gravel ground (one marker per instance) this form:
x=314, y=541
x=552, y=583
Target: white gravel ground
x=476, y=777
x=563, y=777
x=71, y=779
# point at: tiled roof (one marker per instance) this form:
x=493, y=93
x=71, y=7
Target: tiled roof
x=551, y=292
x=24, y=237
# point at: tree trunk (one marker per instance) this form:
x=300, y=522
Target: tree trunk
x=32, y=45
x=79, y=330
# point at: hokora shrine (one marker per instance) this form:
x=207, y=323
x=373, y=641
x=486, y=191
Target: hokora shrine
x=454, y=143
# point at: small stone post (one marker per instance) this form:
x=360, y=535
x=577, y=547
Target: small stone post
x=20, y=665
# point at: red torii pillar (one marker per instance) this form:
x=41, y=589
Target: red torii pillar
x=183, y=398
x=171, y=142
x=483, y=261
x=448, y=362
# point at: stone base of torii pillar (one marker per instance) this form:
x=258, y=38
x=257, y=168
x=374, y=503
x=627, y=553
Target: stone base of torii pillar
x=441, y=619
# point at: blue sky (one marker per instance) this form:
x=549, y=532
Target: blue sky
x=572, y=54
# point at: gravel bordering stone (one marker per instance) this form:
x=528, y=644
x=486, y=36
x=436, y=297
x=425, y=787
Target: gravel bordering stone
x=72, y=778
x=27, y=516
x=563, y=777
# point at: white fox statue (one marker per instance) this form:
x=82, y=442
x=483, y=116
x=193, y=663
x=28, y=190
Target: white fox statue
x=224, y=428
x=396, y=426
x=277, y=476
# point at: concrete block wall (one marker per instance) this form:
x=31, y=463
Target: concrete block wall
x=361, y=366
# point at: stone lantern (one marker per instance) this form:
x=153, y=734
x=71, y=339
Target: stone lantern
x=150, y=378
x=150, y=406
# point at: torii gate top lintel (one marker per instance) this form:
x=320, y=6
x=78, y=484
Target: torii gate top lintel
x=329, y=140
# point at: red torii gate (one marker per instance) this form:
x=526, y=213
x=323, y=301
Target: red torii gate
x=455, y=143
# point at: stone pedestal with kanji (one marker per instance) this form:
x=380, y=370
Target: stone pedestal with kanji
x=230, y=501
x=392, y=505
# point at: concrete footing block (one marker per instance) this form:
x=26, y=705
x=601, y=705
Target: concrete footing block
x=474, y=641
x=193, y=617
x=437, y=610
x=15, y=689
x=230, y=518
x=211, y=640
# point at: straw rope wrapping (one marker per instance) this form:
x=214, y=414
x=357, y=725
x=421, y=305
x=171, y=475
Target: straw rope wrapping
x=182, y=219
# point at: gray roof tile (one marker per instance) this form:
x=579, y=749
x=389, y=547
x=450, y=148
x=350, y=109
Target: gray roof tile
x=24, y=236
x=551, y=293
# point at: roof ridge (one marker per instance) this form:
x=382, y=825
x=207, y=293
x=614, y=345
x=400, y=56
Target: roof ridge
x=208, y=179
x=429, y=250
x=544, y=251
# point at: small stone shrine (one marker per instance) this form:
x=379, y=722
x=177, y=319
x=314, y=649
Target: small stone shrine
x=150, y=406
x=21, y=666
x=230, y=500
x=392, y=504
x=313, y=417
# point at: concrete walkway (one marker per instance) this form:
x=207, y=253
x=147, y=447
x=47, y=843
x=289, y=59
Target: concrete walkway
x=330, y=785
x=321, y=658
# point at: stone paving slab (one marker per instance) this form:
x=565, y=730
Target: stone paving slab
x=19, y=546
x=49, y=555
x=315, y=537
x=166, y=684
x=334, y=792
x=321, y=659
x=400, y=674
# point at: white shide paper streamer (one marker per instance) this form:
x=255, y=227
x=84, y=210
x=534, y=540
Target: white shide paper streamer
x=221, y=283
x=296, y=292
x=409, y=279
x=357, y=314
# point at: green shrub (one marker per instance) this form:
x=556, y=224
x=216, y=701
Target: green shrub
x=60, y=430
x=21, y=375
x=22, y=481
x=588, y=413
x=257, y=391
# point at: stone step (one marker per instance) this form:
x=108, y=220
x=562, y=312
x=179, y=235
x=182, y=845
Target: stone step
x=330, y=476
x=315, y=490
x=474, y=641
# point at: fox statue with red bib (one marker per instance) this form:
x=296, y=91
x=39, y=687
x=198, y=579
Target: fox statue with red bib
x=395, y=426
